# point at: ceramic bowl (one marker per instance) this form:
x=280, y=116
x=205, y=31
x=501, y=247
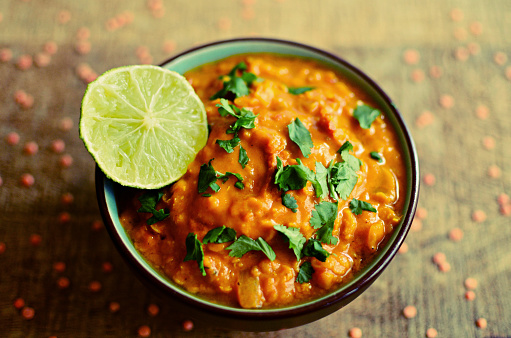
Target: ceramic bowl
x=269, y=319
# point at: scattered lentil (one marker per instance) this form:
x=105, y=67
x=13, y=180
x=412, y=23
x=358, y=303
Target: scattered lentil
x=476, y=28
x=19, y=303
x=494, y=171
x=42, y=59
x=500, y=58
x=12, y=138
x=64, y=217
x=2, y=247
x=5, y=55
x=59, y=266
x=35, y=239
x=421, y=213
x=107, y=267
x=67, y=198
x=456, y=14
x=188, y=325
x=95, y=286
x=470, y=295
x=66, y=124
x=461, y=53
x=153, y=310
x=24, y=62
x=58, y=146
x=50, y=47
x=97, y=225
x=411, y=56
x=481, y=323
x=482, y=112
x=83, y=47
x=169, y=46
x=28, y=313
x=444, y=267
x=479, y=216
x=66, y=161
x=410, y=311
x=473, y=48
x=470, y=283
x=435, y=72
x=63, y=282
x=224, y=23
x=446, y=101
x=429, y=179
x=431, y=333
x=31, y=148
x=27, y=180
x=425, y=119
x=144, y=331
x=460, y=33
x=403, y=249
x=456, y=234
x=416, y=225
x=64, y=16
x=439, y=258
x=355, y=332
x=114, y=307
x=417, y=75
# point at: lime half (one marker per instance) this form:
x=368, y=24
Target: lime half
x=143, y=125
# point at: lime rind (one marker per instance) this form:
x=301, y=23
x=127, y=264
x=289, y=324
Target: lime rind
x=143, y=125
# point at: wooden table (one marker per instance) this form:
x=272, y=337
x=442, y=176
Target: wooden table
x=445, y=63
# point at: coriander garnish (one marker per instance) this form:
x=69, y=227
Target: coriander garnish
x=365, y=115
x=233, y=85
x=149, y=200
x=300, y=136
x=294, y=237
x=357, y=206
x=305, y=273
x=298, y=90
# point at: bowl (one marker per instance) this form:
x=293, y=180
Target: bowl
x=269, y=319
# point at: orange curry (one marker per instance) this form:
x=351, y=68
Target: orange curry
x=280, y=198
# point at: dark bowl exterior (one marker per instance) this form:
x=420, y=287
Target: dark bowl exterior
x=261, y=320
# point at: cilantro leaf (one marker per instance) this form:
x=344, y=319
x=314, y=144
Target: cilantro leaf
x=244, y=244
x=233, y=85
x=207, y=178
x=365, y=115
x=293, y=177
x=298, y=90
x=323, y=217
x=224, y=177
x=346, y=146
x=376, y=156
x=229, y=145
x=225, y=108
x=245, y=119
x=289, y=202
x=313, y=248
x=294, y=237
x=194, y=251
x=353, y=162
x=320, y=183
x=243, y=157
x=305, y=273
x=301, y=136
x=341, y=180
x=149, y=200
x=221, y=234
x=357, y=206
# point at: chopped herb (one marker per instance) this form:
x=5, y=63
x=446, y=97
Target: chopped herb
x=244, y=117
x=289, y=202
x=293, y=177
x=244, y=244
x=225, y=177
x=305, y=273
x=353, y=162
x=301, y=136
x=243, y=157
x=320, y=183
x=194, y=251
x=313, y=248
x=365, y=115
x=233, y=85
x=376, y=156
x=218, y=235
x=357, y=206
x=298, y=90
x=229, y=145
x=294, y=237
x=323, y=218
x=207, y=178
x=341, y=180
x=149, y=201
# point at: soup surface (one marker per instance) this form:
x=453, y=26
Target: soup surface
x=300, y=183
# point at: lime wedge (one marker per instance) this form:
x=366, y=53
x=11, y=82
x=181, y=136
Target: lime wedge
x=143, y=125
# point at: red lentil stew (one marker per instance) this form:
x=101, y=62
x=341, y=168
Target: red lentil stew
x=300, y=183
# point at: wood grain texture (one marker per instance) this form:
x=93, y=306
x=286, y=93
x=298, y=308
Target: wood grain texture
x=373, y=35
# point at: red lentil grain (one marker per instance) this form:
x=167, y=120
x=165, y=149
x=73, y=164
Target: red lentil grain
x=2, y=247
x=83, y=47
x=470, y=283
x=114, y=307
x=12, y=138
x=410, y=311
x=169, y=46
x=456, y=234
x=476, y=28
x=479, y=216
x=446, y=101
x=416, y=225
x=107, y=267
x=64, y=217
x=429, y=179
x=461, y=53
x=444, y=267
x=5, y=55
x=66, y=161
x=494, y=171
x=42, y=59
x=403, y=249
x=224, y=24
x=470, y=295
x=58, y=146
x=24, y=62
x=153, y=310
x=28, y=313
x=97, y=225
x=500, y=58
x=417, y=75
x=27, y=180
x=95, y=286
x=35, y=239
x=503, y=198
x=489, y=142
x=439, y=258
x=50, y=47
x=411, y=56
x=481, y=323
x=508, y=73
x=456, y=14
x=83, y=33
x=59, y=266
x=482, y=112
x=66, y=124
x=355, y=332
x=247, y=13
x=421, y=213
x=31, y=148
x=19, y=303
x=67, y=198
x=425, y=119
x=431, y=333
x=188, y=325
x=63, y=282
x=144, y=331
